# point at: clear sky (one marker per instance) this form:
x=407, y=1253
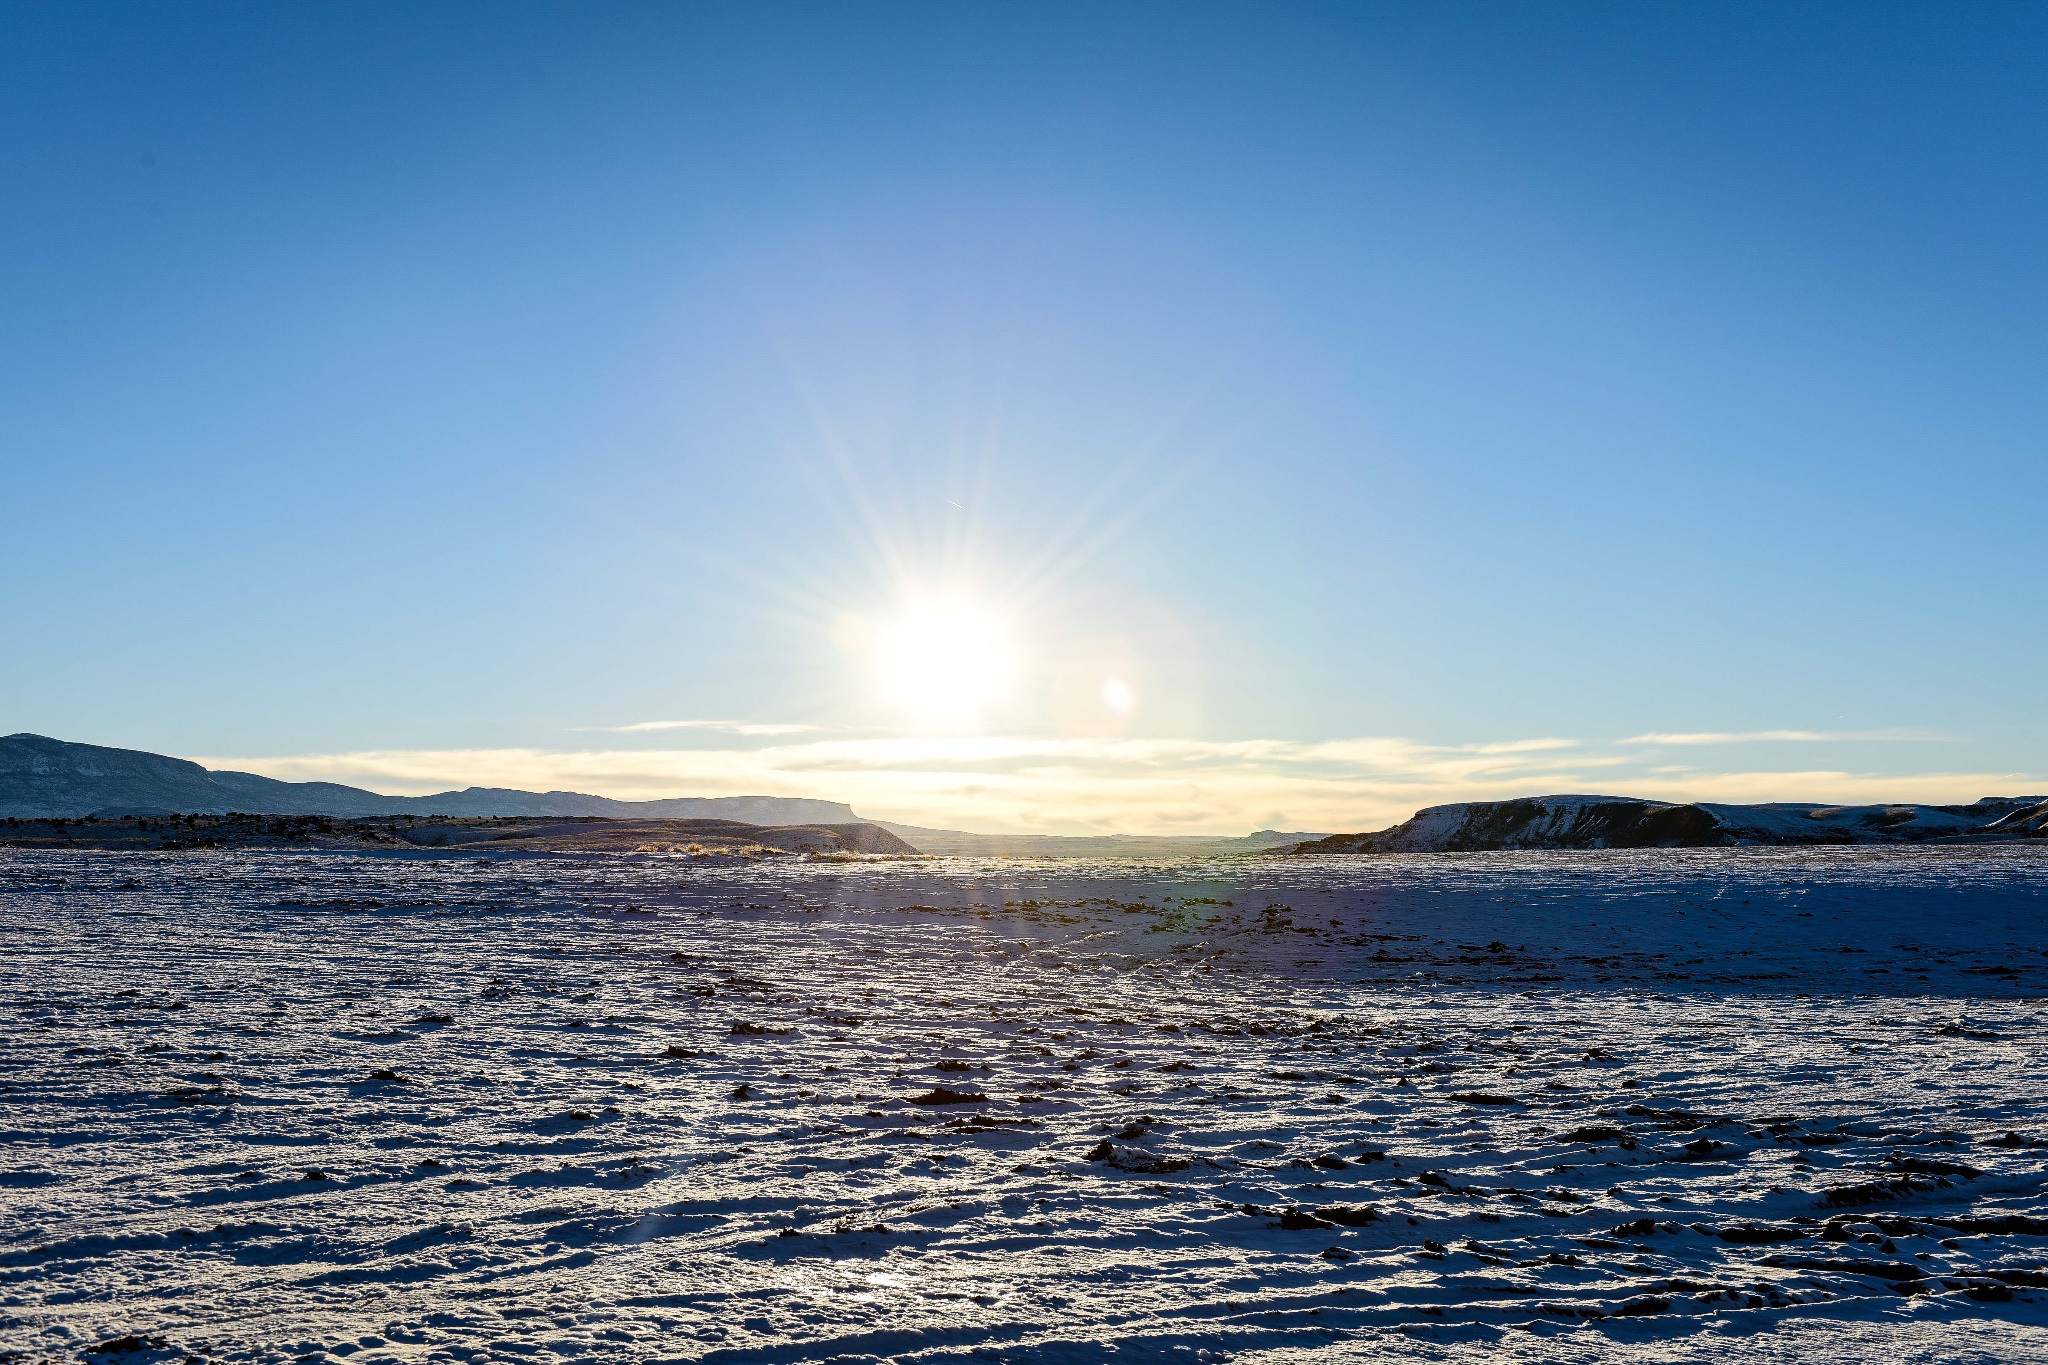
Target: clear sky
x=1110, y=416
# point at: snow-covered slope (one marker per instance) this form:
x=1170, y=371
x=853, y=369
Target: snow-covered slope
x=1630, y=822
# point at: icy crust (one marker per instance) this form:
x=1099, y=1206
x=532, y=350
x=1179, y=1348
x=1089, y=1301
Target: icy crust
x=1757, y=1104
x=1588, y=822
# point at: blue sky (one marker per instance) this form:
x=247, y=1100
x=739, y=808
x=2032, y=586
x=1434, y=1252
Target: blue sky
x=1401, y=403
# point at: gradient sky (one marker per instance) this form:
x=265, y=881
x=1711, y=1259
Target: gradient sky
x=1408, y=402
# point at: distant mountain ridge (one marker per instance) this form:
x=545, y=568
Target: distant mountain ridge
x=43, y=778
x=1632, y=822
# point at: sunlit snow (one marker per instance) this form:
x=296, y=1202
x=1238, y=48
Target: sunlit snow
x=1766, y=1104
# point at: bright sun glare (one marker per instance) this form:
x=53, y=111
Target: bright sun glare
x=947, y=662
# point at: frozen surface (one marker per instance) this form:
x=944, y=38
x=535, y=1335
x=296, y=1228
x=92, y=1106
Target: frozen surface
x=1767, y=1104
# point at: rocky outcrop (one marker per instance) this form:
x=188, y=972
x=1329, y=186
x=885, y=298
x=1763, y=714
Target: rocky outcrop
x=580, y=834
x=2028, y=822
x=1631, y=822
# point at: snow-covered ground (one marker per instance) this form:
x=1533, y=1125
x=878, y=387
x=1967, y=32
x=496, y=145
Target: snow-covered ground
x=1769, y=1104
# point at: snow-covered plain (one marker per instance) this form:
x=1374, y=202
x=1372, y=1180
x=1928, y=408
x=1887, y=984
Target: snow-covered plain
x=1768, y=1104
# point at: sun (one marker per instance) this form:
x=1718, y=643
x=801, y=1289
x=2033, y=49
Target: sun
x=945, y=662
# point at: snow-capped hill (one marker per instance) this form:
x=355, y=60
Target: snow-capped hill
x=1792, y=822
x=1533, y=822
x=2023, y=822
x=1631, y=822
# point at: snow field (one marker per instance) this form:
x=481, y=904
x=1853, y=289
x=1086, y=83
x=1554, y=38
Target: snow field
x=1644, y=1106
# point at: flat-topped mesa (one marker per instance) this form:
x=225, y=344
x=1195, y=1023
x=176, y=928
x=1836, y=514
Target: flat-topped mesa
x=1578, y=822
x=42, y=778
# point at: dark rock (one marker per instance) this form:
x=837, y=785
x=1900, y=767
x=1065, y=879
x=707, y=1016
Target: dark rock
x=1295, y=1220
x=1872, y=1192
x=944, y=1095
x=1884, y=1270
x=126, y=1345
x=1349, y=1215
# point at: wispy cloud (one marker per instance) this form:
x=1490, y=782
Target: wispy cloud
x=1782, y=736
x=1523, y=746
x=1071, y=785
x=723, y=727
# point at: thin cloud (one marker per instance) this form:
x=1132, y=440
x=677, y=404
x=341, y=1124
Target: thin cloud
x=723, y=727
x=1001, y=783
x=1012, y=784
x=1521, y=746
x=1781, y=736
